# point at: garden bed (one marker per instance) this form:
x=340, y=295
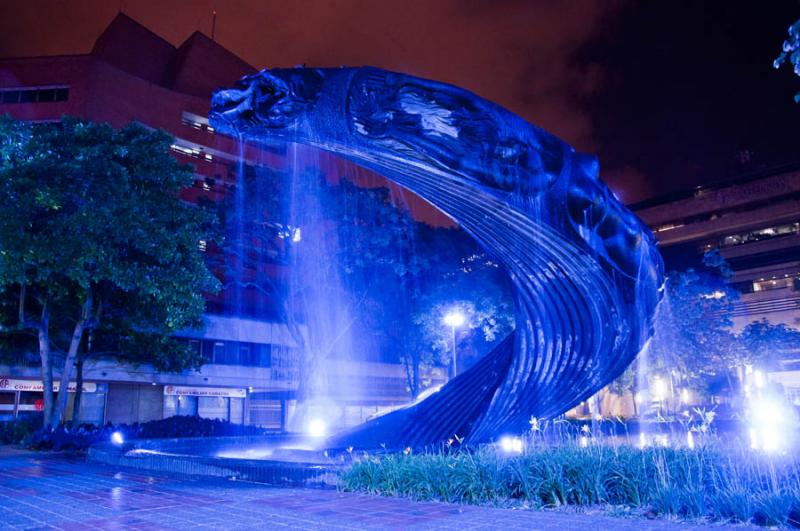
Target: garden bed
x=715, y=482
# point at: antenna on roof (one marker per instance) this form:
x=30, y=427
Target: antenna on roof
x=213, y=23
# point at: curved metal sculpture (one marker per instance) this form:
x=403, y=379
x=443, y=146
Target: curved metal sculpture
x=586, y=273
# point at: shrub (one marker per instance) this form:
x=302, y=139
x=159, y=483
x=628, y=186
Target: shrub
x=715, y=481
x=17, y=431
x=85, y=435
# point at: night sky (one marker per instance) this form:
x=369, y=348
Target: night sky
x=668, y=94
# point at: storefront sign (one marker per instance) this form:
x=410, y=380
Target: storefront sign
x=12, y=384
x=228, y=392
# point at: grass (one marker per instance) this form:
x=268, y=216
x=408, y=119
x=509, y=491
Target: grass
x=716, y=482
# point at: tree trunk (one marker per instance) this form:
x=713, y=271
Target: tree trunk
x=47, y=366
x=69, y=361
x=76, y=404
x=407, y=363
x=415, y=376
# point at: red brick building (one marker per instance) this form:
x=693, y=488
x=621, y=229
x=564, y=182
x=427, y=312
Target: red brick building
x=132, y=74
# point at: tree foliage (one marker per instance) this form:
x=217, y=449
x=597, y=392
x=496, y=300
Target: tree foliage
x=694, y=341
x=762, y=342
x=95, y=242
x=381, y=276
x=692, y=338
x=790, y=52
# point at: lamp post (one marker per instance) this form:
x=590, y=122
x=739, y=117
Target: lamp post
x=454, y=319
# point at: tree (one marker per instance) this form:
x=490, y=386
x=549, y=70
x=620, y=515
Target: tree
x=693, y=338
x=92, y=232
x=133, y=332
x=354, y=265
x=790, y=52
x=470, y=281
x=762, y=342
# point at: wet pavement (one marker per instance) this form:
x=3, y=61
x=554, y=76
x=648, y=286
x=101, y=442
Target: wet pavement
x=40, y=490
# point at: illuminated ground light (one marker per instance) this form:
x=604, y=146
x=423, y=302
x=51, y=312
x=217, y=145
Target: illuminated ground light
x=117, y=438
x=317, y=428
x=511, y=445
x=770, y=423
x=659, y=389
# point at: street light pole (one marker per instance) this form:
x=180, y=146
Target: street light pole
x=454, y=319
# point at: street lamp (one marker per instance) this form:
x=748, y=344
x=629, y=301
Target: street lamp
x=454, y=319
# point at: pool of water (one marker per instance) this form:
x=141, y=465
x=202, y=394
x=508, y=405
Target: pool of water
x=276, y=460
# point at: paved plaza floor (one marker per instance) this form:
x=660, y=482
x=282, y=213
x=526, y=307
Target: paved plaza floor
x=41, y=490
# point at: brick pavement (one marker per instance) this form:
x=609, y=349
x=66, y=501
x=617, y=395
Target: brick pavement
x=57, y=491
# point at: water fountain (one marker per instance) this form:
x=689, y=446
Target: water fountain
x=586, y=273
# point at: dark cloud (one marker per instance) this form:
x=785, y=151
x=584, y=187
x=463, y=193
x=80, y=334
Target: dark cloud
x=689, y=95
x=666, y=93
x=517, y=53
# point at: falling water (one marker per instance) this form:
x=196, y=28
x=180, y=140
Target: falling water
x=240, y=237
x=317, y=297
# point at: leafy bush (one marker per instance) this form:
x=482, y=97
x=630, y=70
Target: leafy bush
x=193, y=426
x=16, y=431
x=715, y=481
x=85, y=435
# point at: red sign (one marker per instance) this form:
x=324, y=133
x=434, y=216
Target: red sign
x=39, y=404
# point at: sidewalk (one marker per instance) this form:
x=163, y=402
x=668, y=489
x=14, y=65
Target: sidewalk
x=55, y=491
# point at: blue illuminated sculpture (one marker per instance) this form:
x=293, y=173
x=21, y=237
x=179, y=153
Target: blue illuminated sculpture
x=586, y=272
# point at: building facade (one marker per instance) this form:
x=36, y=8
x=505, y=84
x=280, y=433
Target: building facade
x=250, y=375
x=755, y=223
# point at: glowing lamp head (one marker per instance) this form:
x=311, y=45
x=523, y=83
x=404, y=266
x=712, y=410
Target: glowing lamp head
x=685, y=396
x=317, y=428
x=758, y=379
x=454, y=319
x=659, y=388
x=117, y=438
x=511, y=445
x=771, y=424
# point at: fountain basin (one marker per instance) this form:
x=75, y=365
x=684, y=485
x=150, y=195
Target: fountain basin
x=283, y=460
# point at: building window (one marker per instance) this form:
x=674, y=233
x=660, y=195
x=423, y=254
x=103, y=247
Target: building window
x=668, y=226
x=180, y=405
x=233, y=352
x=244, y=355
x=196, y=122
x=264, y=356
x=219, y=352
x=34, y=95
x=760, y=234
x=764, y=284
x=196, y=152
